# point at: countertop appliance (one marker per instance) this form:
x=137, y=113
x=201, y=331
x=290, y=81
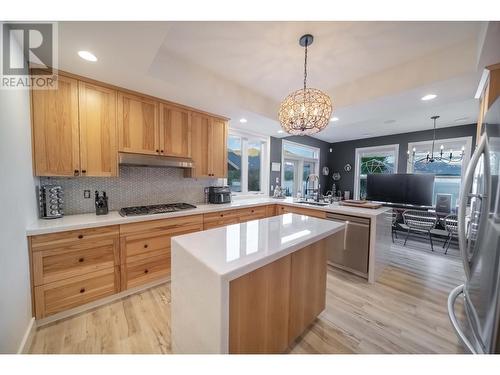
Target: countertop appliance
x=50, y=201
x=479, y=242
x=219, y=194
x=155, y=209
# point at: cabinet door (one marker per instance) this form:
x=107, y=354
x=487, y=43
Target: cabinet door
x=55, y=129
x=307, y=287
x=200, y=127
x=98, y=141
x=175, y=131
x=138, y=124
x=218, y=148
x=259, y=305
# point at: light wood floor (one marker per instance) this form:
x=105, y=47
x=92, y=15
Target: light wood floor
x=405, y=312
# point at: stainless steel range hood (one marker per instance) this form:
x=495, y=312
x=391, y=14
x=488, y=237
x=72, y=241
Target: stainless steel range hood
x=153, y=161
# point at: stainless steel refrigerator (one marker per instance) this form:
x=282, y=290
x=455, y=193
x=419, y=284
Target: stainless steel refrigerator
x=479, y=242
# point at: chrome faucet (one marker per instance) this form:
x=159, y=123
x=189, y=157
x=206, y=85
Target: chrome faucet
x=315, y=191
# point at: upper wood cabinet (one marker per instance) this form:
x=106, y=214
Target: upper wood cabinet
x=175, y=131
x=209, y=146
x=55, y=129
x=138, y=124
x=74, y=130
x=490, y=91
x=98, y=143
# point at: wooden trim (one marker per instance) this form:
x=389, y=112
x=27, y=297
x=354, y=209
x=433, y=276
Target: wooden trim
x=137, y=93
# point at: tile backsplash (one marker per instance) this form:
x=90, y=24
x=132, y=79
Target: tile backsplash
x=134, y=187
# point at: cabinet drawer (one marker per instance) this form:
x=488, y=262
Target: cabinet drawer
x=145, y=248
x=163, y=226
x=66, y=294
x=221, y=223
x=78, y=259
x=144, y=271
x=254, y=213
x=301, y=211
x=52, y=240
x=221, y=216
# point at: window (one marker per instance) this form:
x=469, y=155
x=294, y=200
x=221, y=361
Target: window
x=369, y=160
x=448, y=174
x=299, y=161
x=246, y=163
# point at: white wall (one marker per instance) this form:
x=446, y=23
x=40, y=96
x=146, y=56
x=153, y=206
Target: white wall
x=17, y=209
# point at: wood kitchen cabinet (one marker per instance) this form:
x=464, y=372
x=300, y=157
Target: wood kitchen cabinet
x=490, y=91
x=55, y=129
x=175, y=131
x=74, y=130
x=138, y=124
x=282, y=209
x=73, y=268
x=98, y=138
x=209, y=146
x=145, y=248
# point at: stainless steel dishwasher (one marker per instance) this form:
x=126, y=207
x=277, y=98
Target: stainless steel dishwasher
x=350, y=248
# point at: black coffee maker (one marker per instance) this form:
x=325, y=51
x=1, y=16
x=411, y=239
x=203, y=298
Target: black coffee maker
x=101, y=203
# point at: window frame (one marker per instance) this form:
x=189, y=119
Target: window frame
x=372, y=150
x=465, y=161
x=245, y=137
x=300, y=160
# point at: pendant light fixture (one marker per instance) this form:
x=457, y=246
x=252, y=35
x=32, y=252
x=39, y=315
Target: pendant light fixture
x=442, y=156
x=305, y=111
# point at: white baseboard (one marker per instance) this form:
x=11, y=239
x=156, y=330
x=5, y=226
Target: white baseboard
x=27, y=338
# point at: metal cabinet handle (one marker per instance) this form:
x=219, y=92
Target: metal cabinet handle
x=453, y=318
x=345, y=234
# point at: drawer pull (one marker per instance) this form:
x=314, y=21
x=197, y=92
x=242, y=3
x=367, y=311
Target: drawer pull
x=146, y=270
x=82, y=290
x=80, y=236
x=145, y=245
x=81, y=260
x=221, y=215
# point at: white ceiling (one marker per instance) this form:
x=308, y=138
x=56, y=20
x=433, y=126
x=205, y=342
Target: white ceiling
x=375, y=72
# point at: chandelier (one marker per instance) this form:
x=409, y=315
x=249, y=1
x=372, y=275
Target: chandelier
x=442, y=156
x=305, y=111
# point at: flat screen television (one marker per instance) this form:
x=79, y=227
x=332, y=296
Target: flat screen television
x=401, y=188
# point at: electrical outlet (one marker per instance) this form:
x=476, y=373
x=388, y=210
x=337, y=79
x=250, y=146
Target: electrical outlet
x=86, y=194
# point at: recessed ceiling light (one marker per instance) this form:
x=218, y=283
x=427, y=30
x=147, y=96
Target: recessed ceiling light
x=280, y=131
x=86, y=55
x=333, y=119
x=428, y=97
x=243, y=120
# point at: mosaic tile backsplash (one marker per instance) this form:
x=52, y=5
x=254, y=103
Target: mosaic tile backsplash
x=135, y=186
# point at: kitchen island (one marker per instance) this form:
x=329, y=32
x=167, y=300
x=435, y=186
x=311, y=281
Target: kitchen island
x=251, y=287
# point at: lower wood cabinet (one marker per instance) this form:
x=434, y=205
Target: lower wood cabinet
x=146, y=270
x=145, y=248
x=273, y=305
x=75, y=291
x=300, y=211
x=228, y=217
x=72, y=268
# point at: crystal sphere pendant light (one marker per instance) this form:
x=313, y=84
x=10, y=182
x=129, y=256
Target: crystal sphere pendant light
x=308, y=110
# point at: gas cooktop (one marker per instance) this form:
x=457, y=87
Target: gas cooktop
x=155, y=209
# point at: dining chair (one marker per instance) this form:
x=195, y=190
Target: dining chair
x=451, y=225
x=421, y=222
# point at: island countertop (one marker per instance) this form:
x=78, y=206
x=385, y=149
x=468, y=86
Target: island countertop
x=237, y=249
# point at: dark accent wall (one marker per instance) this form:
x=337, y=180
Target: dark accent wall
x=275, y=156
x=345, y=152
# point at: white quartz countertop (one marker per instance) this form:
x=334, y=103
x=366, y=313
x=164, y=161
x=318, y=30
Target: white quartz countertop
x=237, y=249
x=83, y=221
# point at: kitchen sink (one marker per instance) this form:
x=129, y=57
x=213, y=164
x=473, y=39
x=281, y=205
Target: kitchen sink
x=314, y=203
